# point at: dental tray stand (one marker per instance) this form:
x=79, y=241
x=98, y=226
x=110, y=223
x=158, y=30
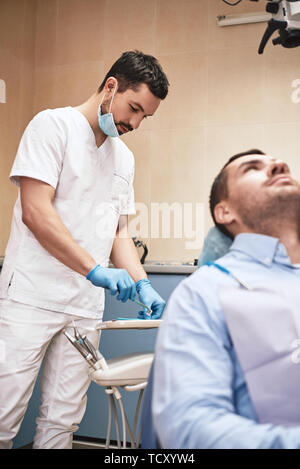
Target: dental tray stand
x=129, y=372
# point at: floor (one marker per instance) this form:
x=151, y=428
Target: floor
x=80, y=445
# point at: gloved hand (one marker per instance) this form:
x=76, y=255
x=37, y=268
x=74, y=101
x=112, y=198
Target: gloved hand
x=114, y=280
x=149, y=297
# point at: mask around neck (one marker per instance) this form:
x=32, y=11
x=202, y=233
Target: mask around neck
x=106, y=121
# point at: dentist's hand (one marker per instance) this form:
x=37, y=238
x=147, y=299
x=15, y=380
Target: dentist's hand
x=149, y=297
x=115, y=280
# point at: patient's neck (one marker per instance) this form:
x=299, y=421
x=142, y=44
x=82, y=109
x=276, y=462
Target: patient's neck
x=288, y=235
x=290, y=239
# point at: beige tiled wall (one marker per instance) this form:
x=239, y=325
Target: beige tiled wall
x=224, y=97
x=17, y=46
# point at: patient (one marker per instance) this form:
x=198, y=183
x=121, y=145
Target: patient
x=227, y=371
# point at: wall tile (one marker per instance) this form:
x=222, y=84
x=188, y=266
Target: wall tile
x=10, y=124
x=128, y=26
x=17, y=39
x=177, y=166
x=27, y=64
x=186, y=104
x=247, y=35
x=172, y=250
x=46, y=33
x=11, y=26
x=235, y=86
x=173, y=171
x=44, y=90
x=76, y=83
x=80, y=26
x=140, y=143
x=280, y=141
x=178, y=181
x=281, y=98
x=181, y=26
x=10, y=116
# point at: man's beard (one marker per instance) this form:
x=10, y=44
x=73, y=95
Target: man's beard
x=277, y=210
x=105, y=110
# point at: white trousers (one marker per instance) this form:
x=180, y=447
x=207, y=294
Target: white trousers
x=28, y=337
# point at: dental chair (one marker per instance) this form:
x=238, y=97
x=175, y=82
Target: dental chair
x=128, y=372
x=149, y=438
x=216, y=244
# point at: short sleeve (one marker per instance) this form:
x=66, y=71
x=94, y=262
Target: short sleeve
x=41, y=150
x=129, y=206
x=128, y=203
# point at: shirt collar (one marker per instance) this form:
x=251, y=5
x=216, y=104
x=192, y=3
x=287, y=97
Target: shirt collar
x=263, y=248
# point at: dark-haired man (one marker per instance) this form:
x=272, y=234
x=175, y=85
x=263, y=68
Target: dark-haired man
x=76, y=191
x=227, y=358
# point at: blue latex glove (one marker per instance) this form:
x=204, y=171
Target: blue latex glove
x=149, y=297
x=215, y=245
x=115, y=280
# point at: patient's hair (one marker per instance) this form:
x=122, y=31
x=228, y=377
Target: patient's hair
x=134, y=68
x=219, y=189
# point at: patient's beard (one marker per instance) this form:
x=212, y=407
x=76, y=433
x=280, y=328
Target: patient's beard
x=271, y=216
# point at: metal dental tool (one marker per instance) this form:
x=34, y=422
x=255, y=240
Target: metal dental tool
x=148, y=312
x=82, y=350
x=85, y=348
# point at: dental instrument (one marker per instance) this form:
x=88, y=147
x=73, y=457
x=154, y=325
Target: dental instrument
x=82, y=350
x=83, y=340
x=148, y=311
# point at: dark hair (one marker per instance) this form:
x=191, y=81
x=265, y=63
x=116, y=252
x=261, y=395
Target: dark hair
x=134, y=68
x=219, y=189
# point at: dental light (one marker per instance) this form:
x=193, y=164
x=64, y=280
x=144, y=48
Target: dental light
x=285, y=19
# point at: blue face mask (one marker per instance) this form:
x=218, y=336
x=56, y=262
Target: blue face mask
x=106, y=121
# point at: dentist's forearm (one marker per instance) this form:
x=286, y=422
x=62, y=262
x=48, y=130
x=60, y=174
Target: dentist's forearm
x=124, y=256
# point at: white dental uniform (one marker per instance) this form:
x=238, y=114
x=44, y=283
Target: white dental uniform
x=93, y=187
x=39, y=296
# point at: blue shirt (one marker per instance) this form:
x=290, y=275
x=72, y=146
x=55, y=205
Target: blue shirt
x=200, y=396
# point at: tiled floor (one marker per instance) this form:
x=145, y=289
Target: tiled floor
x=81, y=445
x=77, y=445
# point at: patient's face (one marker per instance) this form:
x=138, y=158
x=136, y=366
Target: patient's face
x=261, y=186
x=258, y=172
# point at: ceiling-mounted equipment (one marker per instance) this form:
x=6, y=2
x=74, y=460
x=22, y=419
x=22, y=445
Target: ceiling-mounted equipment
x=283, y=16
x=286, y=20
x=243, y=18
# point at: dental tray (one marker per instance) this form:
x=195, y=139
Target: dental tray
x=130, y=324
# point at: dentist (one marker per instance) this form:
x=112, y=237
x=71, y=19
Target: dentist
x=75, y=179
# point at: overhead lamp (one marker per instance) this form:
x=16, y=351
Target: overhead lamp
x=243, y=18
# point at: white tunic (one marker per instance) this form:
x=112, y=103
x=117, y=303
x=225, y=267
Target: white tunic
x=93, y=187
